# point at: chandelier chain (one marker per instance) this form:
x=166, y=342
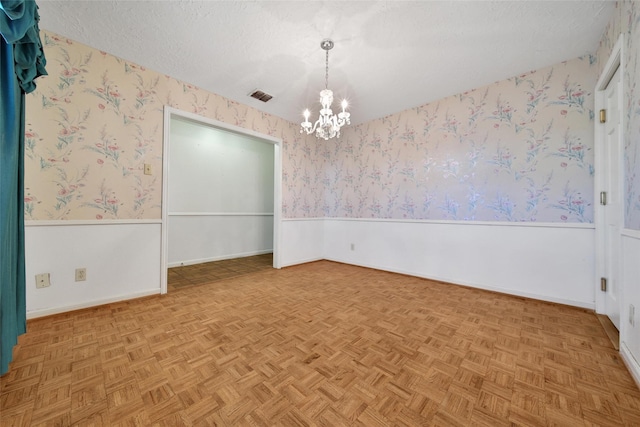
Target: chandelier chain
x=326, y=72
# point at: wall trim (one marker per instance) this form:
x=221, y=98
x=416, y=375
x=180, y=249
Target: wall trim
x=452, y=222
x=630, y=362
x=57, y=310
x=219, y=258
x=562, y=301
x=613, y=62
x=220, y=214
x=586, y=226
x=305, y=261
x=76, y=222
x=629, y=232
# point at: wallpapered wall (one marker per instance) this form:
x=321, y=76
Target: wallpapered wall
x=517, y=150
x=96, y=119
x=626, y=20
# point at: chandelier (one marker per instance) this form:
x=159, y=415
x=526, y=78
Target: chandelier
x=328, y=125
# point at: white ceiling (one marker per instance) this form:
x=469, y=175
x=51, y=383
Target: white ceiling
x=388, y=55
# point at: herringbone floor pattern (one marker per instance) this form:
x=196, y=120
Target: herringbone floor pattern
x=321, y=344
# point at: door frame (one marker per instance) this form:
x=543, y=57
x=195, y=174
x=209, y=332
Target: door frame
x=615, y=61
x=169, y=113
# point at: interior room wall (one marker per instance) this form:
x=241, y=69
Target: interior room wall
x=220, y=194
x=626, y=21
x=96, y=120
x=92, y=125
x=519, y=150
x=482, y=159
x=490, y=188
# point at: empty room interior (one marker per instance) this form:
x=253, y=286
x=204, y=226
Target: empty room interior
x=455, y=244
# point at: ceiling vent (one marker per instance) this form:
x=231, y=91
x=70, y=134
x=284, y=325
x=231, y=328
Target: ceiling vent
x=260, y=95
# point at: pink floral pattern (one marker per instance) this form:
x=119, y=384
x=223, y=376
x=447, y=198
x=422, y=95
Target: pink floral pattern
x=517, y=150
x=626, y=20
x=96, y=120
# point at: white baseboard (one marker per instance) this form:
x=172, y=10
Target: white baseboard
x=474, y=285
x=631, y=362
x=57, y=310
x=219, y=258
x=301, y=261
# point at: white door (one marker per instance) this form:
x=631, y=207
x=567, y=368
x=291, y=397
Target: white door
x=613, y=205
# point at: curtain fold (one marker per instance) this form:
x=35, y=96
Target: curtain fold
x=21, y=61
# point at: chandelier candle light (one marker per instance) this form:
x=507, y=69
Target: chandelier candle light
x=328, y=125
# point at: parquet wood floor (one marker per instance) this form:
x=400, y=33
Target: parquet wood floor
x=208, y=272
x=610, y=330
x=320, y=344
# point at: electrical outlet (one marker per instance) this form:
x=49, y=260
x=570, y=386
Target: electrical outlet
x=43, y=280
x=81, y=274
x=632, y=315
x=353, y=247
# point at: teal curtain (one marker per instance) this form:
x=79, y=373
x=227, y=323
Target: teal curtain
x=21, y=61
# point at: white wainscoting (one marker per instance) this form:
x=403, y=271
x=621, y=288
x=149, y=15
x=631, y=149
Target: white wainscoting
x=194, y=238
x=630, y=333
x=122, y=259
x=551, y=262
x=544, y=261
x=302, y=241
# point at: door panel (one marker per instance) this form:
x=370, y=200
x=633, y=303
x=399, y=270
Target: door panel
x=613, y=208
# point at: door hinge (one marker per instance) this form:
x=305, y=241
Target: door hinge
x=603, y=198
x=603, y=116
x=603, y=284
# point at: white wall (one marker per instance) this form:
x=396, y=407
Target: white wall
x=220, y=194
x=630, y=331
x=198, y=238
x=122, y=259
x=547, y=262
x=302, y=241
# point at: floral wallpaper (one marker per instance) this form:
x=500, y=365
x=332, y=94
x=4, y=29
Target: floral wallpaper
x=517, y=150
x=96, y=120
x=626, y=20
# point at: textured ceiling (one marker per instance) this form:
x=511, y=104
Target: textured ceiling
x=388, y=56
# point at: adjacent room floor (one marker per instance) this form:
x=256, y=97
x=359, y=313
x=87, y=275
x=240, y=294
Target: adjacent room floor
x=320, y=344
x=199, y=274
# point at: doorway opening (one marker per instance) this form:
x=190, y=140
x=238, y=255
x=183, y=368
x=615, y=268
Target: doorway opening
x=221, y=197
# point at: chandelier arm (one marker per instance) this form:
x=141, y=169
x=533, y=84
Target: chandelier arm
x=311, y=129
